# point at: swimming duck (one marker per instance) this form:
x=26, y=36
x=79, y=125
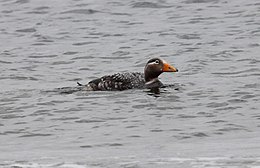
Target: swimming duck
x=130, y=80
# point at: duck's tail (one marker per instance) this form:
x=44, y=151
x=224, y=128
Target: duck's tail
x=79, y=84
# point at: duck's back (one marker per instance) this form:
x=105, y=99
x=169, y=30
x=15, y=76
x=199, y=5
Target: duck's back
x=118, y=81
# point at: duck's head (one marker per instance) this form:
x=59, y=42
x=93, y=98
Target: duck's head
x=155, y=67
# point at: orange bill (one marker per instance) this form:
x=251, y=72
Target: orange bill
x=169, y=68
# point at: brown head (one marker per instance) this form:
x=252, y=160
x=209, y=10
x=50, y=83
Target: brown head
x=155, y=67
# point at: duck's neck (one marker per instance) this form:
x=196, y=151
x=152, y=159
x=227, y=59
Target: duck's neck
x=154, y=83
x=150, y=75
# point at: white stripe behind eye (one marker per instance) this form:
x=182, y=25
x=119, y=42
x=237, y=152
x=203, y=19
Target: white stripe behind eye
x=151, y=63
x=154, y=62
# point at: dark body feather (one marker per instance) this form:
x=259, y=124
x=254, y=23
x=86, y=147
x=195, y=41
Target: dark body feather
x=118, y=81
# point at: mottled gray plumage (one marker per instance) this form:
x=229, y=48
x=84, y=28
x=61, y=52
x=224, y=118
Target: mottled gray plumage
x=118, y=81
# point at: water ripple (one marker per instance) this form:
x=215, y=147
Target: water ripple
x=210, y=108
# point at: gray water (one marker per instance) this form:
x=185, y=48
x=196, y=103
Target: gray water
x=210, y=119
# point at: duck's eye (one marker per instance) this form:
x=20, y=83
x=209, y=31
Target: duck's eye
x=157, y=61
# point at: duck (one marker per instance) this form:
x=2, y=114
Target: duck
x=132, y=80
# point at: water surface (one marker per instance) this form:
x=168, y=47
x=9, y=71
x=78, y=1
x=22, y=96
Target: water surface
x=210, y=120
